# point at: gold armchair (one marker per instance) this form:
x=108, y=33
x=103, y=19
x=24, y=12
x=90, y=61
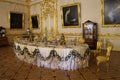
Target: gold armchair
x=36, y=38
x=16, y=38
x=105, y=59
x=51, y=38
x=81, y=40
x=98, y=49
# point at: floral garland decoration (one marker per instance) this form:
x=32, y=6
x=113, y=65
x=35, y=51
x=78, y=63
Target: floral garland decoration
x=19, y=50
x=87, y=52
x=14, y=47
x=53, y=54
x=35, y=52
x=26, y=51
x=41, y=57
x=75, y=54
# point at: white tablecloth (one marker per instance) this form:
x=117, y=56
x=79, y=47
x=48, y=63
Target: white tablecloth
x=66, y=61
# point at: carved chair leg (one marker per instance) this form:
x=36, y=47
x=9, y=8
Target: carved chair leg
x=98, y=68
x=107, y=65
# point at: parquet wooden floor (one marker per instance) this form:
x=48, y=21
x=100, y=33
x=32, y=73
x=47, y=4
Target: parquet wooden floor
x=11, y=68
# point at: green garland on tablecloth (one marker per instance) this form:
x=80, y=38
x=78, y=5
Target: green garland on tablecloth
x=41, y=57
x=87, y=52
x=19, y=50
x=25, y=51
x=35, y=52
x=73, y=53
x=76, y=54
x=53, y=54
x=14, y=47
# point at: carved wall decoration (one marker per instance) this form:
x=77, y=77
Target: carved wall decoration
x=49, y=17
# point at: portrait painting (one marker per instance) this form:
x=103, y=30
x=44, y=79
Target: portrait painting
x=71, y=15
x=16, y=20
x=34, y=19
x=111, y=12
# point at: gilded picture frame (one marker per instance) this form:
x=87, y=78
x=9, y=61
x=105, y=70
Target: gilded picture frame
x=70, y=15
x=35, y=21
x=110, y=13
x=16, y=20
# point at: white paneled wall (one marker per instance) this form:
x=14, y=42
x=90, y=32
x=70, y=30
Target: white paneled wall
x=5, y=9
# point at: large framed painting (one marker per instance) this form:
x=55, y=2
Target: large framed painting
x=71, y=15
x=16, y=20
x=34, y=20
x=111, y=13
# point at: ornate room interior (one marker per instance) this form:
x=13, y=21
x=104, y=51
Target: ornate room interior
x=59, y=40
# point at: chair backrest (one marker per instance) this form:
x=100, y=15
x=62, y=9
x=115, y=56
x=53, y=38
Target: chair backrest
x=99, y=45
x=36, y=38
x=81, y=40
x=51, y=38
x=16, y=38
x=109, y=49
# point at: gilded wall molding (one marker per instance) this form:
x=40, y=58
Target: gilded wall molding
x=100, y=35
x=48, y=6
x=49, y=12
x=110, y=35
x=71, y=34
x=29, y=18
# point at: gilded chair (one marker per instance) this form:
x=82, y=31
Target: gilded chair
x=98, y=49
x=16, y=38
x=36, y=37
x=104, y=59
x=66, y=39
x=51, y=38
x=81, y=40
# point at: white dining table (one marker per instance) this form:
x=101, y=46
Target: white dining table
x=62, y=57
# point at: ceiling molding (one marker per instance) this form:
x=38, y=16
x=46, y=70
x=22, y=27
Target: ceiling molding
x=22, y=2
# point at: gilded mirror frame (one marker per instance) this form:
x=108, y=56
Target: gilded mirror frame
x=110, y=13
x=70, y=15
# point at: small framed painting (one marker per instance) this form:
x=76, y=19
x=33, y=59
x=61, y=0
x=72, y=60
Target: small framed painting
x=110, y=13
x=16, y=20
x=34, y=20
x=71, y=15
